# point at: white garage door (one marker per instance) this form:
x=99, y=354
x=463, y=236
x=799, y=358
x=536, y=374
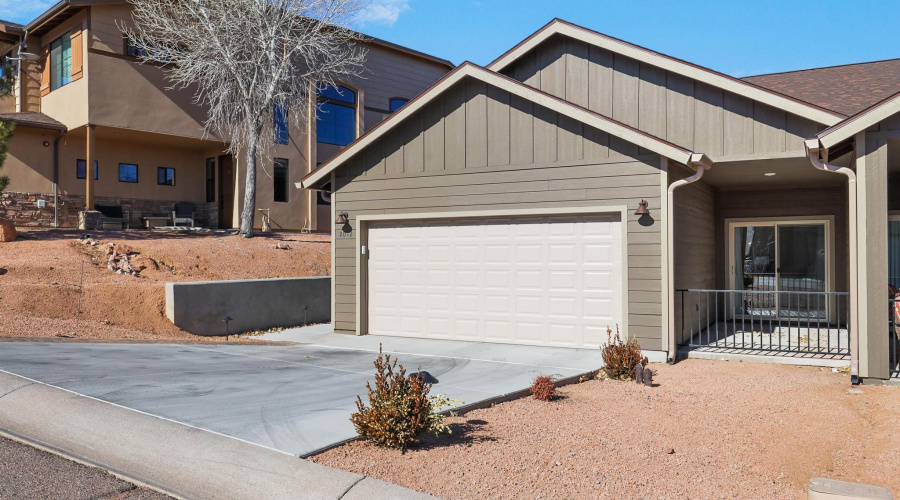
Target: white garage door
x=554, y=281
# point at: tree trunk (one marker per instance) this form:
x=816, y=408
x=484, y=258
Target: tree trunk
x=250, y=189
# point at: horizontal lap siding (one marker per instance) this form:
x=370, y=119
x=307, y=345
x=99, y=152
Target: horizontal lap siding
x=692, y=114
x=479, y=148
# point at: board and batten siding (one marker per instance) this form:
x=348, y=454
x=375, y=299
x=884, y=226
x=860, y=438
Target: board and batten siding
x=683, y=111
x=694, y=247
x=477, y=148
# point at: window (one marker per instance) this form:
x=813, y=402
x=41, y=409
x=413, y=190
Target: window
x=128, y=172
x=80, y=169
x=165, y=176
x=210, y=180
x=336, y=117
x=280, y=180
x=132, y=50
x=281, y=123
x=60, y=62
x=397, y=103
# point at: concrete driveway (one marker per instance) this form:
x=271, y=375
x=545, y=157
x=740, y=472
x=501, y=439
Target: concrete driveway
x=292, y=398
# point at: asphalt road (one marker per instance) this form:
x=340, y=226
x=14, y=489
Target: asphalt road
x=295, y=399
x=28, y=473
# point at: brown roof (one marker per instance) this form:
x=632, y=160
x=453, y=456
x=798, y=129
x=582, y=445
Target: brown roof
x=846, y=89
x=30, y=119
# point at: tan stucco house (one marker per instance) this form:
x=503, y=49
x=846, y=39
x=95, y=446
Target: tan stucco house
x=580, y=182
x=88, y=101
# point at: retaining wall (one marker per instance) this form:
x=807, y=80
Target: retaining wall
x=199, y=307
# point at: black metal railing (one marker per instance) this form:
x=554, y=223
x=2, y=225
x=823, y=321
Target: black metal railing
x=894, y=338
x=785, y=321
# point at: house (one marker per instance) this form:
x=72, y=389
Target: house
x=580, y=183
x=88, y=100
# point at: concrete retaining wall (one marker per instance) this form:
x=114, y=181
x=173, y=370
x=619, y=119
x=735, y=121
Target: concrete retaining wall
x=199, y=307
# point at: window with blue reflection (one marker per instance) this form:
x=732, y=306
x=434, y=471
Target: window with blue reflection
x=280, y=115
x=397, y=103
x=336, y=116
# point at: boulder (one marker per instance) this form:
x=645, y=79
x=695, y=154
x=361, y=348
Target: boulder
x=7, y=230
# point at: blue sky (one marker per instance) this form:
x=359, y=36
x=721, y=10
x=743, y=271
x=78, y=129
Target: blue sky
x=739, y=38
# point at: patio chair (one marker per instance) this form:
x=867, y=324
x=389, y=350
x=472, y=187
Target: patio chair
x=183, y=213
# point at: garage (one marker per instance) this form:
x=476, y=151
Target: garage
x=542, y=280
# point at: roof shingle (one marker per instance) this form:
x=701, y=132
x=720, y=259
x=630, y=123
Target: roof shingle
x=846, y=89
x=28, y=118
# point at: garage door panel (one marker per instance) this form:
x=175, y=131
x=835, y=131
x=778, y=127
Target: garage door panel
x=541, y=280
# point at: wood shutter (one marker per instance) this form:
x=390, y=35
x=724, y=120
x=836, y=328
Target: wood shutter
x=45, y=70
x=77, y=55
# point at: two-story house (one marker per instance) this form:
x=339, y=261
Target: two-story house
x=95, y=126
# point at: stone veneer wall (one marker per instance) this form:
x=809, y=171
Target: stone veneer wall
x=23, y=209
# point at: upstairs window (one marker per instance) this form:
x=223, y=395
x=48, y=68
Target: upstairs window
x=165, y=176
x=128, y=172
x=60, y=62
x=336, y=116
x=397, y=103
x=132, y=50
x=280, y=180
x=81, y=171
x=280, y=118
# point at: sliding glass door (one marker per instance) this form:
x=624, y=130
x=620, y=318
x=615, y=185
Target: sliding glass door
x=780, y=264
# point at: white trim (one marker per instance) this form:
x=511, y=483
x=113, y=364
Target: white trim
x=859, y=122
x=669, y=64
x=363, y=222
x=665, y=217
x=514, y=87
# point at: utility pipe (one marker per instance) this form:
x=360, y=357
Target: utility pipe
x=813, y=148
x=87, y=171
x=701, y=163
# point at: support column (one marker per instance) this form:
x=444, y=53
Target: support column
x=872, y=262
x=90, y=157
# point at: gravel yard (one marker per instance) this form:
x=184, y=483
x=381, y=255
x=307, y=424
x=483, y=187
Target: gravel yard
x=27, y=473
x=711, y=429
x=41, y=278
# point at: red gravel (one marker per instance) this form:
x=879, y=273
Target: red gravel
x=711, y=429
x=40, y=276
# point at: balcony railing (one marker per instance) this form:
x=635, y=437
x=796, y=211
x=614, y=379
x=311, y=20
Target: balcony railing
x=784, y=321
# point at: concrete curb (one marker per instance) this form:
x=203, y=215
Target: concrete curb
x=167, y=456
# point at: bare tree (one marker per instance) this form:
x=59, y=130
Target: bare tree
x=245, y=59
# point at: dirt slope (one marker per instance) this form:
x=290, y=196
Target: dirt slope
x=41, y=277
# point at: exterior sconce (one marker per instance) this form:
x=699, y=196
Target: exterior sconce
x=642, y=209
x=46, y=144
x=343, y=218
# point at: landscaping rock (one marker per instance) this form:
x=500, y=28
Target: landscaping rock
x=7, y=231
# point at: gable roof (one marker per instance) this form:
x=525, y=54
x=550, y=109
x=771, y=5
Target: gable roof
x=720, y=80
x=847, y=89
x=515, y=87
x=857, y=123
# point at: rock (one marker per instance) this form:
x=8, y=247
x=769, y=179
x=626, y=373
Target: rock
x=670, y=451
x=7, y=231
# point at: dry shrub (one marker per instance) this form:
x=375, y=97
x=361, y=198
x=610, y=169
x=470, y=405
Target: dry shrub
x=400, y=408
x=543, y=388
x=621, y=357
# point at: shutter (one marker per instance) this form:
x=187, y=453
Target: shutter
x=77, y=55
x=45, y=71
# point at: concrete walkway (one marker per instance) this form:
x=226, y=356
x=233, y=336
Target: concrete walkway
x=175, y=458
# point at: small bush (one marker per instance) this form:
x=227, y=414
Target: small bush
x=400, y=408
x=543, y=388
x=621, y=357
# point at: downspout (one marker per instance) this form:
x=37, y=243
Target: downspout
x=813, y=147
x=702, y=163
x=88, y=171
